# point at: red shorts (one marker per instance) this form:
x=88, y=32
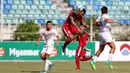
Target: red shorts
x=80, y=52
x=69, y=30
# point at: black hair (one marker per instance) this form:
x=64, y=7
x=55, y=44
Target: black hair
x=104, y=9
x=48, y=22
x=84, y=11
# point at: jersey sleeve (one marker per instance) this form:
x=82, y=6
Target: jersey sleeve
x=42, y=33
x=86, y=35
x=71, y=16
x=82, y=21
x=106, y=17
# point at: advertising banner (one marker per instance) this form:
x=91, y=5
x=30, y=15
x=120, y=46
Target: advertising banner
x=29, y=51
x=122, y=52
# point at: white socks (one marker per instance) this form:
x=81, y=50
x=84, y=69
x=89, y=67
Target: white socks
x=95, y=58
x=47, y=63
x=110, y=56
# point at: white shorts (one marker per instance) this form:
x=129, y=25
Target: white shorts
x=47, y=49
x=105, y=37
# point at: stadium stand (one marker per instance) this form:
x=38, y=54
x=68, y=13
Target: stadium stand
x=16, y=11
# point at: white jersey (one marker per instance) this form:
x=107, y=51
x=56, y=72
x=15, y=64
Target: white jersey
x=104, y=25
x=49, y=36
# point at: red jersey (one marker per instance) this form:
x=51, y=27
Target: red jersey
x=82, y=39
x=75, y=17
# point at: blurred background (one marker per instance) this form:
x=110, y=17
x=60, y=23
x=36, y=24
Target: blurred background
x=22, y=20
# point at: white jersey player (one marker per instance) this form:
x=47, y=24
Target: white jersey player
x=49, y=35
x=105, y=37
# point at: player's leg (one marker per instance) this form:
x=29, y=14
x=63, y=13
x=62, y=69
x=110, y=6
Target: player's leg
x=84, y=57
x=77, y=61
x=69, y=36
x=101, y=48
x=111, y=53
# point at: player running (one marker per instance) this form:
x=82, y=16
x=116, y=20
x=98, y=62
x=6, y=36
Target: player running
x=70, y=26
x=105, y=37
x=82, y=50
x=49, y=34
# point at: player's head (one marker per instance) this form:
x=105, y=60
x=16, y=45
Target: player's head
x=104, y=10
x=49, y=25
x=82, y=12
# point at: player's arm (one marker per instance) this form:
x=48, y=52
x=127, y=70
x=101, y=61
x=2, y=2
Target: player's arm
x=85, y=25
x=39, y=39
x=72, y=21
x=58, y=39
x=111, y=21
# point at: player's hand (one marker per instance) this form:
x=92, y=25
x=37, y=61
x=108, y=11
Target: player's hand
x=37, y=44
x=117, y=22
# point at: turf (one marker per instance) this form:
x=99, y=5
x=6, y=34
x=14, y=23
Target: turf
x=62, y=67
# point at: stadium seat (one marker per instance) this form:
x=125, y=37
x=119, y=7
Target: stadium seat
x=51, y=12
x=14, y=7
x=23, y=16
x=46, y=7
x=38, y=12
x=6, y=11
x=18, y=11
x=43, y=16
x=17, y=16
x=27, y=7
x=29, y=2
x=61, y=21
x=15, y=21
x=96, y=3
x=8, y=21
x=12, y=12
x=34, y=7
x=31, y=11
x=55, y=16
x=54, y=21
x=40, y=7
x=7, y=6
x=22, y=2
x=5, y=16
x=48, y=2
x=109, y=3
x=21, y=21
x=36, y=2
x=4, y=2
x=10, y=16
x=73, y=3
x=17, y=2
x=10, y=2
x=95, y=7
x=53, y=7
x=42, y=2
x=49, y=16
x=25, y=12
x=20, y=6
x=41, y=21
x=36, y=16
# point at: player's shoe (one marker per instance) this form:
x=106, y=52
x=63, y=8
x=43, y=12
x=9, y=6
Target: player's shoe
x=77, y=69
x=93, y=64
x=50, y=67
x=44, y=71
x=63, y=49
x=109, y=64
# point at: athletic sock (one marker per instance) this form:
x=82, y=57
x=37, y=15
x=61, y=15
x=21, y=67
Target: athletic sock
x=77, y=61
x=110, y=56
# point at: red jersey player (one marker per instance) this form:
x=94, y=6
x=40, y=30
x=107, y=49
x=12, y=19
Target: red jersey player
x=81, y=50
x=69, y=28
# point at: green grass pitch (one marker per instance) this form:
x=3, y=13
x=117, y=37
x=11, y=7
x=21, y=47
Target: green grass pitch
x=63, y=67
